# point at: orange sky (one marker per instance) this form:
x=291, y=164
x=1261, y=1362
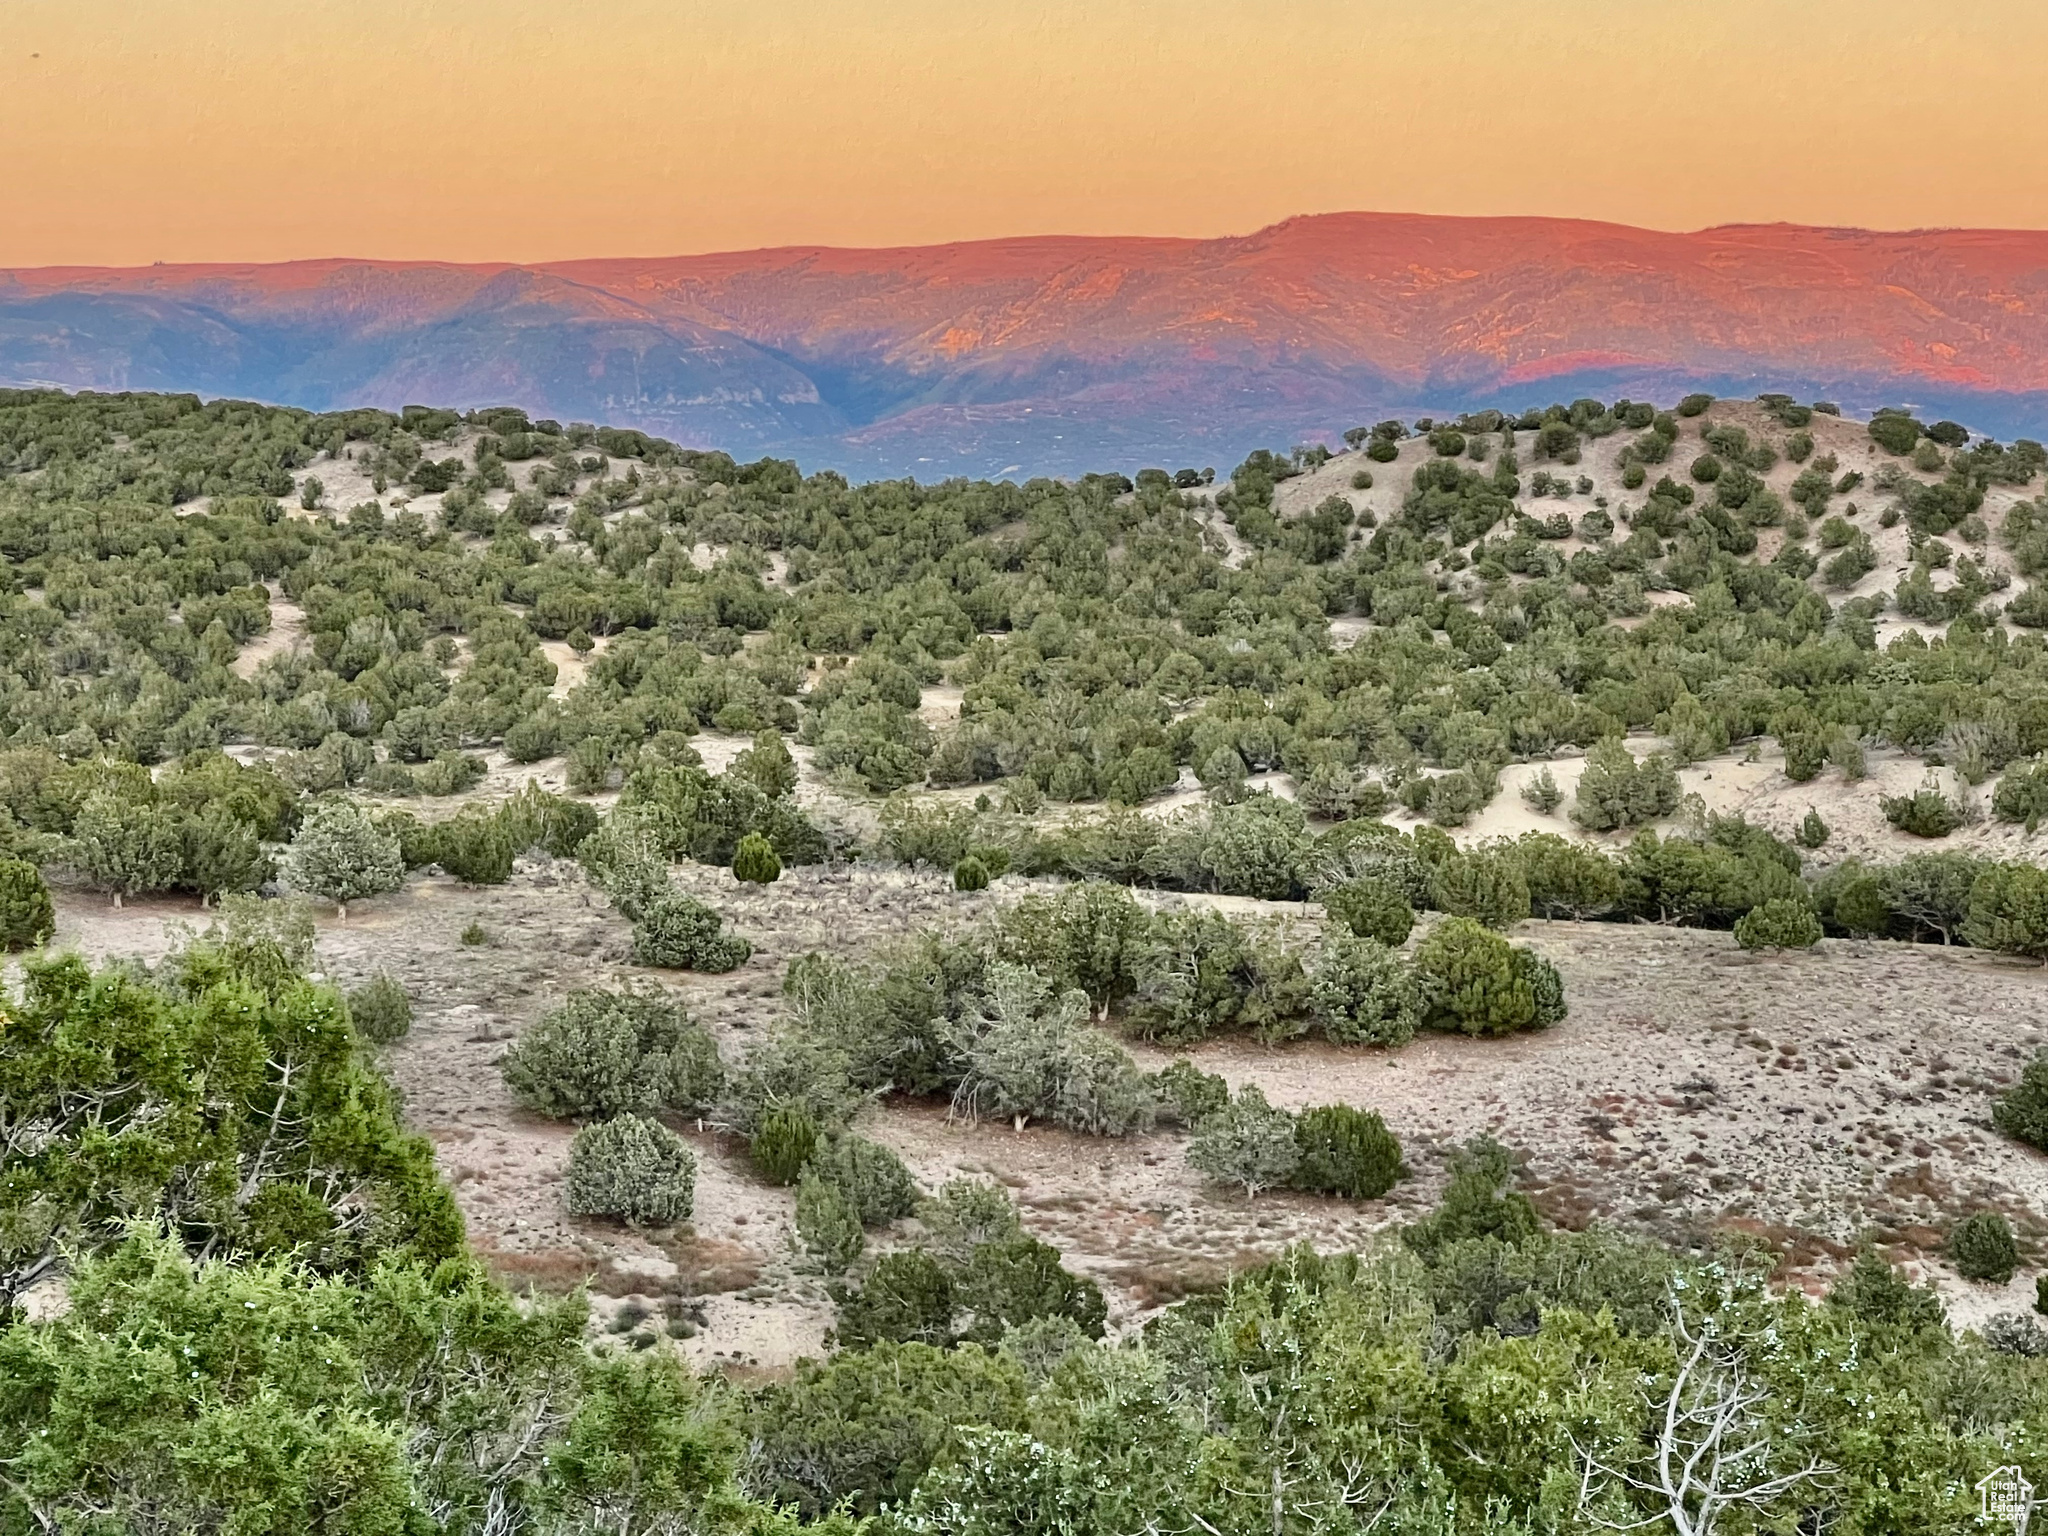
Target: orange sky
x=140, y=130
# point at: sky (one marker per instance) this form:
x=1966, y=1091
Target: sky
x=247, y=130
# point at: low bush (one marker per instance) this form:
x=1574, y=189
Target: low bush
x=1345, y=1151
x=1484, y=884
x=2008, y=911
x=1018, y=1280
x=27, y=917
x=754, y=860
x=1188, y=1095
x=907, y=1297
x=1781, y=923
x=2022, y=1110
x=874, y=1181
x=970, y=874
x=1927, y=812
x=612, y=1053
x=1361, y=992
x=637, y=1170
x=1982, y=1248
x=827, y=1223
x=783, y=1143
x=1248, y=1143
x=1472, y=981
x=1372, y=909
x=380, y=1010
x=681, y=933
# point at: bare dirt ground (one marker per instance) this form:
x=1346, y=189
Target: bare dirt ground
x=1806, y=1100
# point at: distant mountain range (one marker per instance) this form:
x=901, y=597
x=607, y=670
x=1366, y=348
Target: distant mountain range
x=1055, y=354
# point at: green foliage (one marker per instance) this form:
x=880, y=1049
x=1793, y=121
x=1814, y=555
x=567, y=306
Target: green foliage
x=682, y=933
x=1875, y=1293
x=1813, y=832
x=1982, y=1248
x=1345, y=1151
x=1029, y=1053
x=1012, y=1281
x=1542, y=793
x=754, y=860
x=1361, y=992
x=871, y=1177
x=600, y=1054
x=970, y=874
x=1927, y=812
x=475, y=847
x=863, y=1428
x=1372, y=909
x=27, y=917
x=2008, y=911
x=631, y=1168
x=2022, y=1110
x=1188, y=1095
x=1480, y=1203
x=905, y=1298
x=1565, y=878
x=965, y=1214
x=1615, y=790
x=1895, y=434
x=380, y=1010
x=827, y=1222
x=1472, y=981
x=768, y=764
x=1780, y=923
x=342, y=856
x=245, y=1118
x=1249, y=1143
x=783, y=1143
x=1484, y=884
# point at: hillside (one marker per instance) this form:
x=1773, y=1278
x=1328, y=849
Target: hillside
x=1058, y=355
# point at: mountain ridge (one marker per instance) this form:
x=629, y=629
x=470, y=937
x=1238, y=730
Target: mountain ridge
x=1062, y=352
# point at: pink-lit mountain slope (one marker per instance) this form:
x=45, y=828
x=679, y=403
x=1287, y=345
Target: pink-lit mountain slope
x=1063, y=353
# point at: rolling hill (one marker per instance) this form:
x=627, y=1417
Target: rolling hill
x=1055, y=354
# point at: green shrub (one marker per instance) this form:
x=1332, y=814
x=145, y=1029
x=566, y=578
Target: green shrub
x=1484, y=884
x=1617, y=791
x=906, y=1298
x=1188, y=1094
x=1982, y=1248
x=380, y=1010
x=1248, y=1143
x=1380, y=451
x=1480, y=1202
x=754, y=860
x=474, y=847
x=1927, y=812
x=2022, y=1110
x=681, y=933
x=1361, y=480
x=637, y=1170
x=1361, y=992
x=602, y=1053
x=970, y=874
x=2022, y=794
x=1472, y=982
x=2008, y=911
x=864, y=1428
x=871, y=1177
x=1894, y=433
x=1546, y=988
x=827, y=1223
x=1781, y=923
x=1813, y=832
x=341, y=855
x=1542, y=794
x=27, y=917
x=783, y=1143
x=1695, y=405
x=1372, y=909
x=1566, y=878
x=966, y=1213
x=1018, y=1280
x=1345, y=1151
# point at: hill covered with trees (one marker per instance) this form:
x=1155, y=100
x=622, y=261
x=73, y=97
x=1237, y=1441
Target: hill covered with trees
x=1460, y=675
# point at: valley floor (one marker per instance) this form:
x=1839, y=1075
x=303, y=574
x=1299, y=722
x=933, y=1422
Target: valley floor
x=1806, y=1099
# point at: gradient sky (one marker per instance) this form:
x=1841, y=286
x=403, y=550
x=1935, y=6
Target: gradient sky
x=184, y=130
